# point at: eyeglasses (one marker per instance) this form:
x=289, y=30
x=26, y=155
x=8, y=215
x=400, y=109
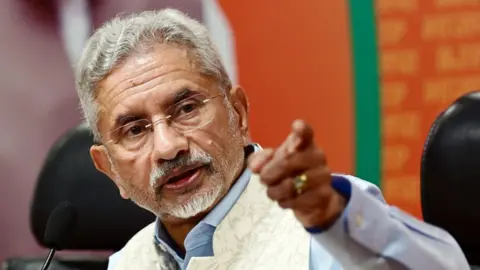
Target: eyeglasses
x=136, y=138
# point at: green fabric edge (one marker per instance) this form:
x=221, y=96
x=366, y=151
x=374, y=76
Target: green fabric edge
x=366, y=91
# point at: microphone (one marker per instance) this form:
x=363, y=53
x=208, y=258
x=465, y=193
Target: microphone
x=60, y=226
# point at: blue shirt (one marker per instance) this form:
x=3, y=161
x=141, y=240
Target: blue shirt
x=369, y=233
x=213, y=219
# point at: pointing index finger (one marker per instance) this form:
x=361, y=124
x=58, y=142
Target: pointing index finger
x=301, y=136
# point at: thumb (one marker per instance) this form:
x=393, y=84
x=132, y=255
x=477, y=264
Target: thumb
x=257, y=160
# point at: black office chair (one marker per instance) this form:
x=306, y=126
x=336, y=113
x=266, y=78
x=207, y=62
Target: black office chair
x=105, y=221
x=450, y=174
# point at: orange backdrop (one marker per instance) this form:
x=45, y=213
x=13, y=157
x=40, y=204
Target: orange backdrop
x=294, y=62
x=429, y=56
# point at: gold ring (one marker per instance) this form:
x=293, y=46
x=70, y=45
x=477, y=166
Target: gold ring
x=299, y=183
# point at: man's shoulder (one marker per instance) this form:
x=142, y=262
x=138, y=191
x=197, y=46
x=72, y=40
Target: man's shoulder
x=145, y=235
x=139, y=241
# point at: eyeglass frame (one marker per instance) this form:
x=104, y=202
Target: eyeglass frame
x=151, y=124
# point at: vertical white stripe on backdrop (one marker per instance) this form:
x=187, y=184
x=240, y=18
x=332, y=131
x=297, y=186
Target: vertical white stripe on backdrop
x=75, y=26
x=222, y=35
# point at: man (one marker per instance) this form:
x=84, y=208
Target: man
x=172, y=133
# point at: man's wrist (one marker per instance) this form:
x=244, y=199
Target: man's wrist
x=340, y=199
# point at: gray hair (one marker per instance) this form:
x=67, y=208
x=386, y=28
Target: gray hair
x=124, y=36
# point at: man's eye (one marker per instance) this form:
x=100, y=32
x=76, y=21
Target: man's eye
x=187, y=108
x=134, y=131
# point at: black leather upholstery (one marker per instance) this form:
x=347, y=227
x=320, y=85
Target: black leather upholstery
x=105, y=220
x=450, y=174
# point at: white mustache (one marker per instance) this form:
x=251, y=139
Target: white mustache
x=167, y=167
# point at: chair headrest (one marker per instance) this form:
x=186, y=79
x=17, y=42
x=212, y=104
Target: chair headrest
x=105, y=220
x=450, y=174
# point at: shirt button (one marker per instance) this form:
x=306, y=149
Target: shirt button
x=358, y=220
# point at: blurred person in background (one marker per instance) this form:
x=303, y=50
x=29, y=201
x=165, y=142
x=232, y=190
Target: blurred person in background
x=172, y=133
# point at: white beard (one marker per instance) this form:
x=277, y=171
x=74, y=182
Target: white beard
x=197, y=204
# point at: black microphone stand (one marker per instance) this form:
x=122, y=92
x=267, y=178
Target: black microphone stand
x=49, y=259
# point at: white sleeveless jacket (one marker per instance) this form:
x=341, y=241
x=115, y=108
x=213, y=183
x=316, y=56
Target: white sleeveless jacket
x=255, y=234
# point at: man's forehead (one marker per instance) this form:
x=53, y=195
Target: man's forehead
x=141, y=67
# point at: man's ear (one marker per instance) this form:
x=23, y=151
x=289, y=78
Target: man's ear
x=241, y=107
x=103, y=164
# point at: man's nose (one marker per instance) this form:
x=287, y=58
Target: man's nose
x=167, y=143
